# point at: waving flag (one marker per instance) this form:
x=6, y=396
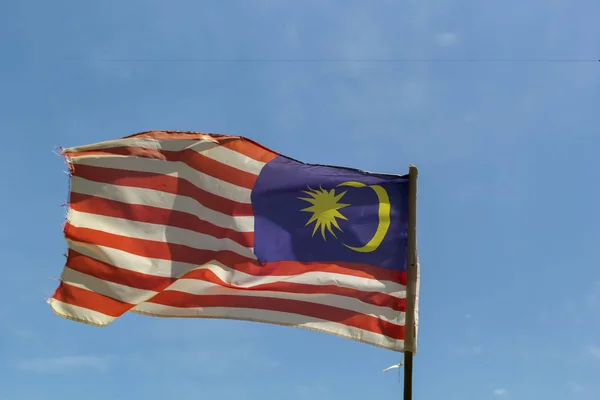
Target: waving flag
x=179, y=224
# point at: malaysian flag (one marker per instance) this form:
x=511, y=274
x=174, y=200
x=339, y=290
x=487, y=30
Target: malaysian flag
x=180, y=224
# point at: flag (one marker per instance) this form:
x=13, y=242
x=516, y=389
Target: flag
x=181, y=224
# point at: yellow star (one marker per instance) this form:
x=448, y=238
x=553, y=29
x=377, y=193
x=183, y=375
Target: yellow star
x=324, y=210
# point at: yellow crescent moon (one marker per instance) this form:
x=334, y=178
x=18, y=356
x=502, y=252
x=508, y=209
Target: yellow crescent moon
x=383, y=214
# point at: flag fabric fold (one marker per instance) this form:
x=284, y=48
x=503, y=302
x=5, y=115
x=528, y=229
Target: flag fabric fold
x=182, y=224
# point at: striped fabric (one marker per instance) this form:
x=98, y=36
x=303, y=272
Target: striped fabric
x=162, y=223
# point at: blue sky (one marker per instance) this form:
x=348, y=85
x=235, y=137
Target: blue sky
x=508, y=196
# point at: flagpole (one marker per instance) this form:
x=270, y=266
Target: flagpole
x=411, y=282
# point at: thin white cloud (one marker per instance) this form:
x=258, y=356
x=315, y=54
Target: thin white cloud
x=63, y=364
x=469, y=351
x=501, y=392
x=446, y=39
x=595, y=351
x=593, y=296
x=21, y=333
x=214, y=361
x=469, y=118
x=368, y=42
x=576, y=387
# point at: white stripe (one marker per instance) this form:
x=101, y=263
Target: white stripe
x=274, y=317
x=247, y=281
x=199, y=287
x=232, y=158
x=207, y=148
x=154, y=232
x=105, y=288
x=132, y=295
x=128, y=261
x=80, y=313
x=175, y=169
x=155, y=198
x=146, y=143
x=174, y=269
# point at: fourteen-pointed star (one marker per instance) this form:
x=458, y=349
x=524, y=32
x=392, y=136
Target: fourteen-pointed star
x=325, y=209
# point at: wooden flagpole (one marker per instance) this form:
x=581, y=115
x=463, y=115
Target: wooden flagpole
x=411, y=284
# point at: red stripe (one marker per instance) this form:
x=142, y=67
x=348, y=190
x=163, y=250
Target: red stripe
x=114, y=308
x=108, y=272
x=190, y=157
x=352, y=269
x=240, y=144
x=375, y=298
x=251, y=149
x=105, y=271
x=307, y=309
x=163, y=183
x=156, y=215
x=181, y=253
x=90, y=300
